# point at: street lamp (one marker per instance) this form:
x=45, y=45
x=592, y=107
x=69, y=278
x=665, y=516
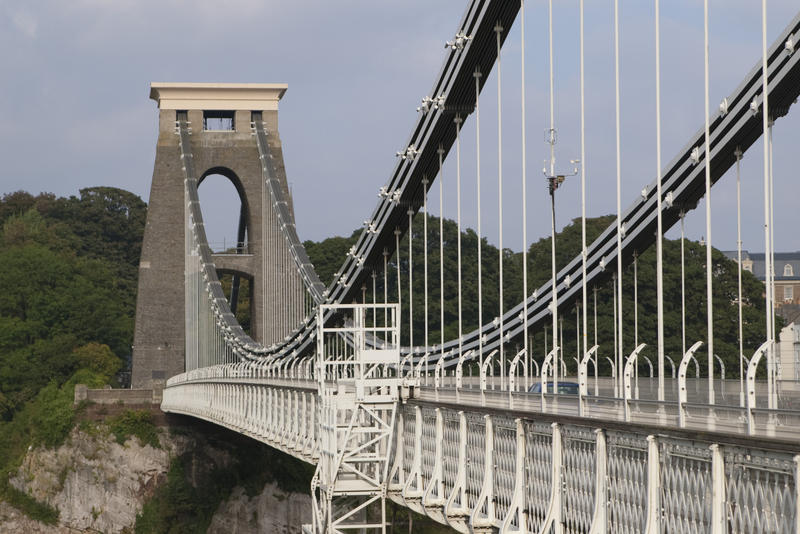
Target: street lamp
x=553, y=182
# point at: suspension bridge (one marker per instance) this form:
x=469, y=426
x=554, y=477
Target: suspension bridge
x=473, y=429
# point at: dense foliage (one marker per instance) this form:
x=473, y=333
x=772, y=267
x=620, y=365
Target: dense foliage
x=243, y=311
x=134, y=423
x=68, y=274
x=46, y=420
x=68, y=270
x=329, y=254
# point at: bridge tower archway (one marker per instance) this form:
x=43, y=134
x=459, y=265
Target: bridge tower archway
x=216, y=188
x=221, y=142
x=232, y=252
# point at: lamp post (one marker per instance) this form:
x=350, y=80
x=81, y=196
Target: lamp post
x=553, y=182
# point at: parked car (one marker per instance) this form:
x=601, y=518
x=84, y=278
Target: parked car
x=564, y=388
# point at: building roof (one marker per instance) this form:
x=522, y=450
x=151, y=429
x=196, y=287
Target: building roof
x=787, y=264
x=218, y=96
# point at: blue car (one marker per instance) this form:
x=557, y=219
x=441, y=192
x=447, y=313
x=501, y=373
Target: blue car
x=564, y=388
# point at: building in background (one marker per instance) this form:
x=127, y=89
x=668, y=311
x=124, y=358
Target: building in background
x=789, y=352
x=787, y=276
x=787, y=303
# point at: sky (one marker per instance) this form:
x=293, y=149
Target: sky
x=75, y=111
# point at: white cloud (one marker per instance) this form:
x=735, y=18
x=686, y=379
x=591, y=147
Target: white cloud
x=25, y=22
x=85, y=76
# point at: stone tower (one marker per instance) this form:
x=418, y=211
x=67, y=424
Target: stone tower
x=222, y=143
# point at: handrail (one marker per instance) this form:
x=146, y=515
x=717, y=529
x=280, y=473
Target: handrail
x=629, y=367
x=403, y=363
x=460, y=367
x=546, y=365
x=437, y=371
x=512, y=372
x=486, y=362
x=682, y=396
x=418, y=367
x=752, y=367
x=583, y=373
x=583, y=370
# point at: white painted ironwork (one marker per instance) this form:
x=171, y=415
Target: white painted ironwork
x=630, y=366
x=682, y=393
x=479, y=459
x=358, y=388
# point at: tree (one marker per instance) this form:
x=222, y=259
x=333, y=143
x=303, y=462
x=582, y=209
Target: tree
x=68, y=269
x=97, y=358
x=329, y=254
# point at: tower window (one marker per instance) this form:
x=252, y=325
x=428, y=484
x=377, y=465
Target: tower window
x=218, y=121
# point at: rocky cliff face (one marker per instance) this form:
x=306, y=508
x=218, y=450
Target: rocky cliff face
x=272, y=510
x=13, y=521
x=98, y=485
x=95, y=483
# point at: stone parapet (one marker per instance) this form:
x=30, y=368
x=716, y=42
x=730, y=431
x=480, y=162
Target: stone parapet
x=117, y=396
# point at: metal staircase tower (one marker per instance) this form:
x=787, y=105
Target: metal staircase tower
x=358, y=391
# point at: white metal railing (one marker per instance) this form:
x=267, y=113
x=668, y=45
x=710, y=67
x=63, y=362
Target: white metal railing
x=518, y=453
x=532, y=476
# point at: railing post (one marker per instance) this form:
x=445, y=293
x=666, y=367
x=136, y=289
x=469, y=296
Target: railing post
x=418, y=369
x=288, y=420
x=460, y=486
x=682, y=395
x=599, y=518
x=653, y=525
x=414, y=474
x=583, y=378
x=265, y=422
x=435, y=485
x=546, y=365
x=274, y=421
x=246, y=394
x=486, y=363
x=411, y=372
x=630, y=364
x=397, y=467
x=516, y=509
x=295, y=409
x=272, y=415
x=460, y=367
x=304, y=426
x=486, y=496
x=282, y=417
x=553, y=517
x=247, y=406
x=752, y=367
x=718, y=493
x=512, y=372
x=437, y=372
x=238, y=406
